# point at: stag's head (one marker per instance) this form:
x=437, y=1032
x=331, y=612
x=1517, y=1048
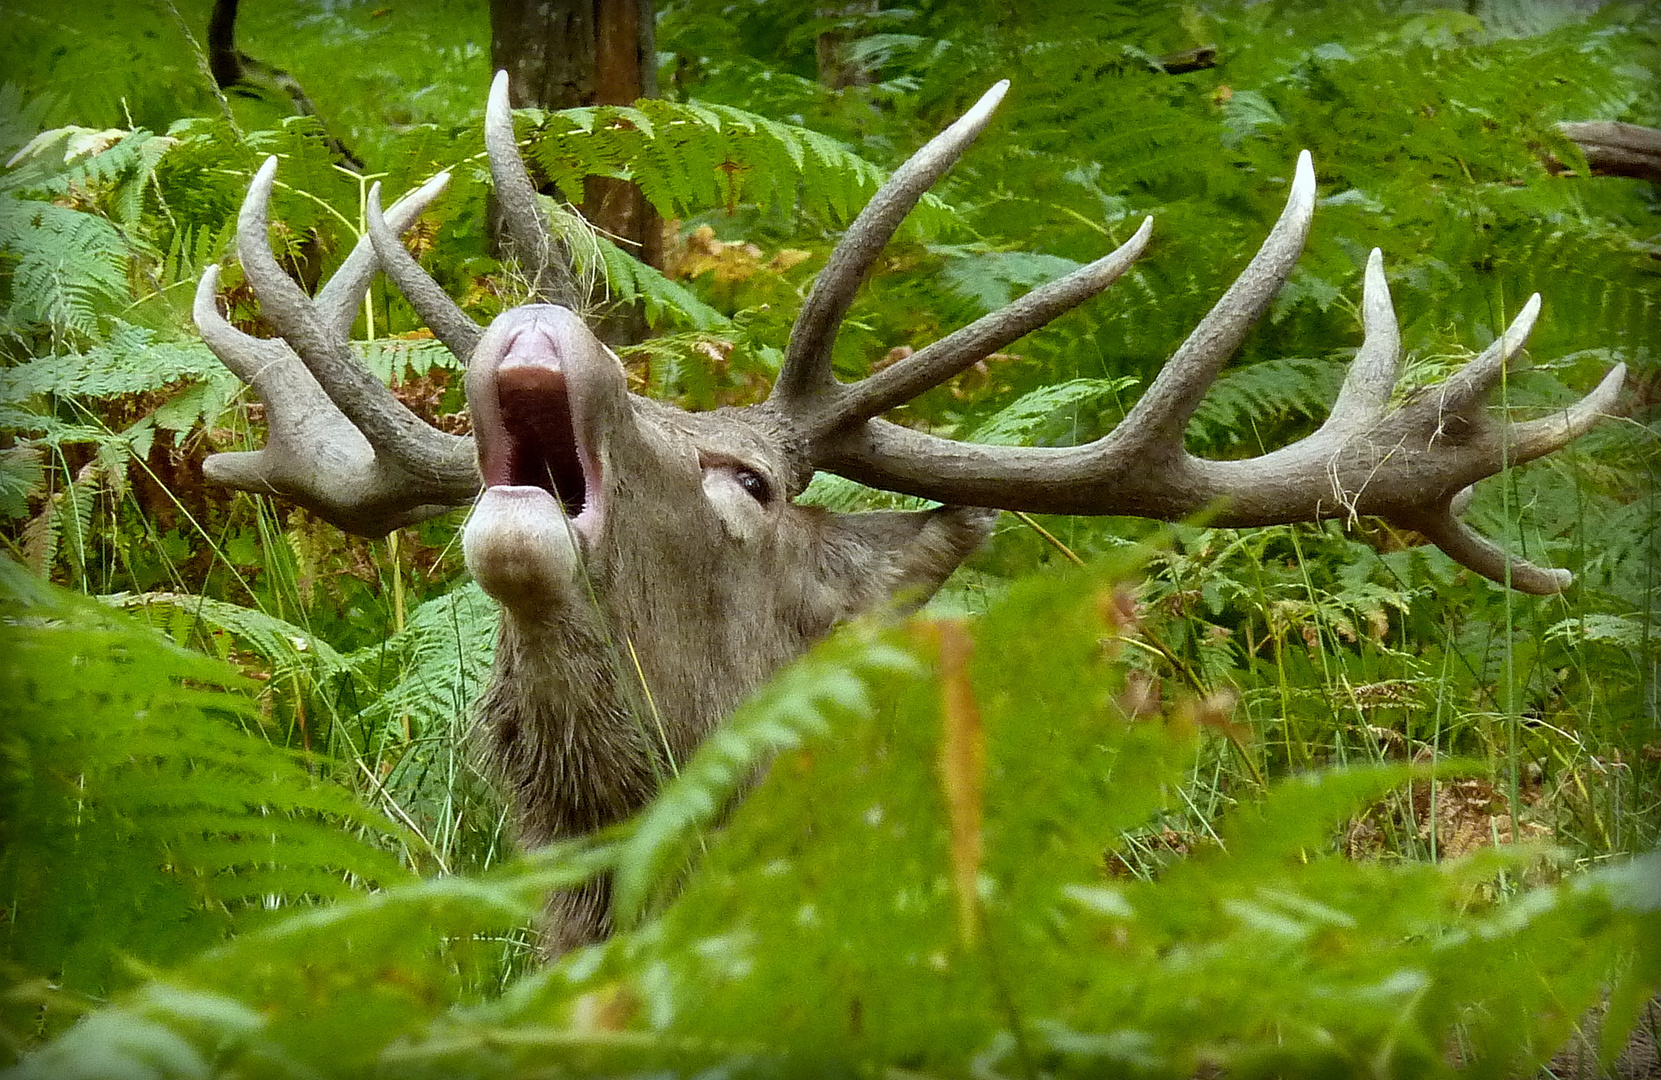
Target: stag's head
x=673, y=533
x=652, y=564
x=636, y=529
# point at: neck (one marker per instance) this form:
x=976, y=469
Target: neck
x=566, y=726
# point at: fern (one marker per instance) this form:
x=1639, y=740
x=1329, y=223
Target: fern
x=431, y=671
x=690, y=157
x=1251, y=403
x=1265, y=952
x=991, y=279
x=130, y=759
x=288, y=648
x=1066, y=413
x=116, y=164
x=71, y=229
x=820, y=921
x=631, y=280
x=132, y=361
x=847, y=496
x=68, y=269
x=412, y=716
x=798, y=705
x=373, y=966
x=22, y=477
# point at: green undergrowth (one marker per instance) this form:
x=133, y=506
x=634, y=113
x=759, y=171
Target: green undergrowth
x=932, y=876
x=1304, y=800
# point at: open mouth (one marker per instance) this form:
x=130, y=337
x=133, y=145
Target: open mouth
x=526, y=405
x=538, y=388
x=540, y=448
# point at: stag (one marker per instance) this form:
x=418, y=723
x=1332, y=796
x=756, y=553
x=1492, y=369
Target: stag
x=651, y=565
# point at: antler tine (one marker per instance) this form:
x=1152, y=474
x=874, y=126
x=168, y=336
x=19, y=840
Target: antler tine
x=957, y=351
x=1159, y=418
x=416, y=447
x=266, y=365
x=249, y=358
x=442, y=315
x=313, y=454
x=1467, y=387
x=1472, y=550
x=541, y=254
x=339, y=301
x=1372, y=376
x=1521, y=442
x=806, y=371
x=1536, y=438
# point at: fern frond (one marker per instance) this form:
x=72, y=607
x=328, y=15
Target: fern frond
x=131, y=361
x=798, y=703
x=1063, y=414
x=434, y=668
x=394, y=359
x=690, y=157
x=22, y=477
x=394, y=961
x=286, y=646
x=68, y=268
x=991, y=279
x=630, y=279
x=1248, y=403
x=113, y=167
x=116, y=742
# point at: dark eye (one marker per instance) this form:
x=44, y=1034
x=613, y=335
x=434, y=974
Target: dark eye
x=754, y=483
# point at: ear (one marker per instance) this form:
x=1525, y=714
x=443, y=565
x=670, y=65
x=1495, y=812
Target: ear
x=899, y=558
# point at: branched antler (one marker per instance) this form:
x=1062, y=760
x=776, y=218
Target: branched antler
x=1411, y=465
x=339, y=443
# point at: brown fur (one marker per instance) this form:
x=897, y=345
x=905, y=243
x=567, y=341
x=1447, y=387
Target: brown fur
x=649, y=622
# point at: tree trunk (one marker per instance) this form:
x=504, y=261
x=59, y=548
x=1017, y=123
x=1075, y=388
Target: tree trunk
x=836, y=69
x=562, y=54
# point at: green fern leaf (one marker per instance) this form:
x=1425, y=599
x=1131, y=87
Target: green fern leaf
x=123, y=759
x=69, y=269
x=798, y=703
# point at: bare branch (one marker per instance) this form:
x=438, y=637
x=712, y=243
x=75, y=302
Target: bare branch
x=1612, y=148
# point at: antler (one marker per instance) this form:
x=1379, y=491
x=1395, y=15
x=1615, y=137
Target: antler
x=1412, y=465
x=541, y=255
x=806, y=389
x=342, y=445
x=338, y=443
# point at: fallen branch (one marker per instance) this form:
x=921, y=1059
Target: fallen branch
x=1612, y=148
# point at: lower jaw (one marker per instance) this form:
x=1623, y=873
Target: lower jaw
x=522, y=549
